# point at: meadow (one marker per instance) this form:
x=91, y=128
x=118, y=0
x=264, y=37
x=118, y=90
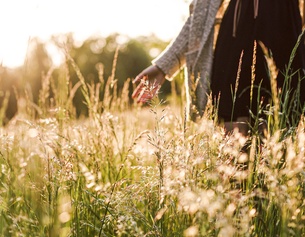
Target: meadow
x=131, y=170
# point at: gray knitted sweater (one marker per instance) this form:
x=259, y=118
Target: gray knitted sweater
x=193, y=49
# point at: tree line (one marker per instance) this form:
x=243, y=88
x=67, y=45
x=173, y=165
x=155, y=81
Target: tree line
x=92, y=55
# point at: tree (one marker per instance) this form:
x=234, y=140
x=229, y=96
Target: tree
x=134, y=55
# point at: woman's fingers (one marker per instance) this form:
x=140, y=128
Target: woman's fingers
x=138, y=78
x=143, y=97
x=138, y=90
x=150, y=81
x=145, y=92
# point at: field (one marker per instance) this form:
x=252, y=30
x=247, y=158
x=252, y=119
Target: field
x=127, y=170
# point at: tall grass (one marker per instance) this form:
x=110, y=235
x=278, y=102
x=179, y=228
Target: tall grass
x=133, y=171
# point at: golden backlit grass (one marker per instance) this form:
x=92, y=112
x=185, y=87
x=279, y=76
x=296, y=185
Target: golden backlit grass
x=144, y=171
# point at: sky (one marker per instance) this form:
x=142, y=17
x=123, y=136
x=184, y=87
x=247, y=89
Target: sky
x=22, y=20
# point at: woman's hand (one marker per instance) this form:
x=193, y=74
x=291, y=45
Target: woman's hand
x=150, y=81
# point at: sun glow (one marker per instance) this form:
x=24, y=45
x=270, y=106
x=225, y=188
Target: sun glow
x=23, y=20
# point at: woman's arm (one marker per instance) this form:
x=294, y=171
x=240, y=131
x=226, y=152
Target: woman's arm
x=165, y=66
x=173, y=57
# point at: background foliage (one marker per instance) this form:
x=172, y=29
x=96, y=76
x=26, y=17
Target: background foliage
x=94, y=56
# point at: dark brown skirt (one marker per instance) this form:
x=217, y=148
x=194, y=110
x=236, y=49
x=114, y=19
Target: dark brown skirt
x=277, y=25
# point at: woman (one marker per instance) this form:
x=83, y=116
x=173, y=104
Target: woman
x=247, y=27
x=193, y=48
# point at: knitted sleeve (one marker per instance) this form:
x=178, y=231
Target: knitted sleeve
x=172, y=59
